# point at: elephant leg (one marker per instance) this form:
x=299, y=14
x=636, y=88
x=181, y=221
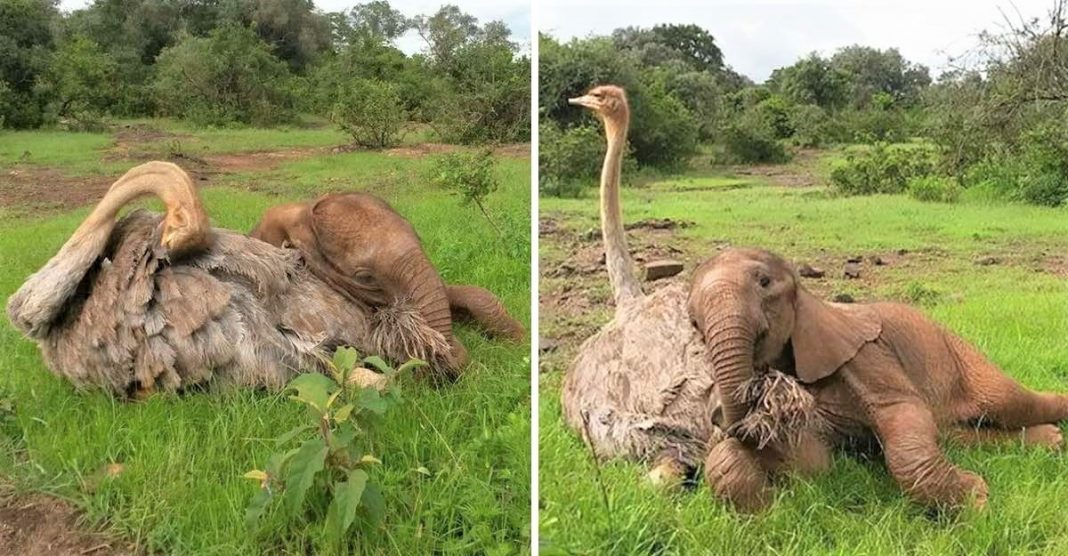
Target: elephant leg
x=808, y=457
x=1014, y=407
x=909, y=435
x=737, y=476
x=480, y=305
x=1002, y=400
x=1045, y=436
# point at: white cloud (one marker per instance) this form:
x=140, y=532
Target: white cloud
x=759, y=36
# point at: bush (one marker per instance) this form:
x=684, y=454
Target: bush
x=934, y=189
x=229, y=76
x=881, y=169
x=471, y=175
x=874, y=125
x=1036, y=172
x=812, y=126
x=752, y=138
x=371, y=112
x=568, y=160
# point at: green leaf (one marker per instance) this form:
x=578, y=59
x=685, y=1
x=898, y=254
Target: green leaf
x=378, y=363
x=345, y=358
x=411, y=364
x=344, y=413
x=374, y=503
x=347, y=498
x=300, y=472
x=291, y=434
x=313, y=389
x=256, y=506
x=371, y=400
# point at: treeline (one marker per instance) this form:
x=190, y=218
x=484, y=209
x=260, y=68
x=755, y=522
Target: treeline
x=263, y=63
x=995, y=126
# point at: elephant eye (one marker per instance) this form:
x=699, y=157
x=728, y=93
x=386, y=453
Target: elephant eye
x=765, y=281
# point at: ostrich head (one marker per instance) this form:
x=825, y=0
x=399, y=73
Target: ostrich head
x=607, y=101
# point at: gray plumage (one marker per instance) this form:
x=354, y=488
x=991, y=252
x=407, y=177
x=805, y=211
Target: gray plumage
x=112, y=309
x=642, y=386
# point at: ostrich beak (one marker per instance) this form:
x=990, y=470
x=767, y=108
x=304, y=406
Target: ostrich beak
x=585, y=100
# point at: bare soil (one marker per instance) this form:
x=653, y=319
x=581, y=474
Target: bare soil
x=802, y=171
x=38, y=525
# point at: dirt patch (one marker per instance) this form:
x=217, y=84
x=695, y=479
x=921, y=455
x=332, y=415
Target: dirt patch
x=40, y=189
x=513, y=150
x=38, y=525
x=256, y=161
x=802, y=171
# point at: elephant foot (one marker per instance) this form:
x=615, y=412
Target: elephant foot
x=735, y=475
x=1046, y=436
x=975, y=490
x=667, y=473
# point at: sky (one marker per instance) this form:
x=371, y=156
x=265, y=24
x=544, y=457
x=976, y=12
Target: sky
x=514, y=13
x=759, y=36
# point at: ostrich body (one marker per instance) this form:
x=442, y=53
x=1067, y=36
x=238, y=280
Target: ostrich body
x=640, y=388
x=163, y=302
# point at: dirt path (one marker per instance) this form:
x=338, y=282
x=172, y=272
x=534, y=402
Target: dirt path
x=38, y=525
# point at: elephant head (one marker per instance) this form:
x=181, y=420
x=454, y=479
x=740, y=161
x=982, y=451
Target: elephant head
x=754, y=314
x=360, y=245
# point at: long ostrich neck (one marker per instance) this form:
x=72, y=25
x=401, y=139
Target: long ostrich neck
x=617, y=257
x=41, y=299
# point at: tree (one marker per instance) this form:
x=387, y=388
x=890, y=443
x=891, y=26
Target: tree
x=371, y=112
x=295, y=31
x=26, y=43
x=871, y=71
x=812, y=80
x=229, y=76
x=445, y=33
x=689, y=44
x=81, y=79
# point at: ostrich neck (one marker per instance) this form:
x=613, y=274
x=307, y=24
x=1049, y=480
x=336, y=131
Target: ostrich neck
x=617, y=257
x=45, y=293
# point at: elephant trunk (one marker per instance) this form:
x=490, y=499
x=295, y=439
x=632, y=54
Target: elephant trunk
x=730, y=336
x=425, y=291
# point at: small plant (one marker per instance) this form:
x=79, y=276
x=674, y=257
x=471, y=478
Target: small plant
x=935, y=189
x=329, y=461
x=471, y=175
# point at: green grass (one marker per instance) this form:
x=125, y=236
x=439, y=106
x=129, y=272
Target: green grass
x=181, y=490
x=1017, y=315
x=74, y=153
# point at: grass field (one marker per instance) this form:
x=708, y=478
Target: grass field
x=996, y=274
x=180, y=490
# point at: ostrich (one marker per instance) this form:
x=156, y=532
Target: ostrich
x=161, y=303
x=642, y=387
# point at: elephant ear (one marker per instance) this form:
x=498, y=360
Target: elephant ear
x=827, y=335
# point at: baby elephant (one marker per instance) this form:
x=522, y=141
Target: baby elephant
x=879, y=371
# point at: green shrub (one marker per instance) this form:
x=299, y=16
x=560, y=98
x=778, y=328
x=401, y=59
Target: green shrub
x=471, y=175
x=229, y=76
x=328, y=468
x=881, y=169
x=752, y=138
x=568, y=160
x=934, y=189
x=874, y=125
x=813, y=127
x=370, y=112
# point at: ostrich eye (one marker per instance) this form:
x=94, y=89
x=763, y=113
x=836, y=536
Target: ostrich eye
x=765, y=281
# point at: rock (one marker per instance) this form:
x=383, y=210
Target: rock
x=842, y=298
x=877, y=260
x=851, y=270
x=656, y=270
x=855, y=259
x=591, y=234
x=902, y=252
x=808, y=271
x=545, y=345
x=987, y=261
